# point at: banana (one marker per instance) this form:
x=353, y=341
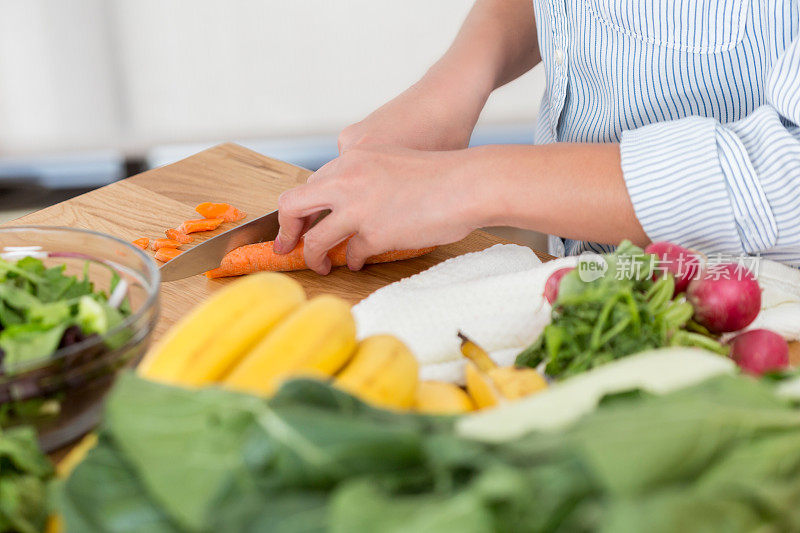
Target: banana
x=318, y=338
x=212, y=338
x=383, y=372
x=480, y=387
x=490, y=385
x=77, y=454
x=440, y=398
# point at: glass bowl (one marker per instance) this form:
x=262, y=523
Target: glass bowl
x=61, y=395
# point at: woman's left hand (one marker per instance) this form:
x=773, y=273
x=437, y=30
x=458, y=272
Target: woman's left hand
x=388, y=198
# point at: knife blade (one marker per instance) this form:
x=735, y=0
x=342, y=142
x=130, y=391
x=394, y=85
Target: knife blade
x=208, y=254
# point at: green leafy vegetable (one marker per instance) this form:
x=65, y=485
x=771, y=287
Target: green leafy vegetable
x=24, y=472
x=621, y=312
x=38, y=304
x=28, y=342
x=720, y=455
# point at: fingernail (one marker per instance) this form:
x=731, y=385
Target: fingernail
x=278, y=245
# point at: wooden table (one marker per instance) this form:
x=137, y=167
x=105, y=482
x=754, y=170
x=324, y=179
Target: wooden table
x=146, y=204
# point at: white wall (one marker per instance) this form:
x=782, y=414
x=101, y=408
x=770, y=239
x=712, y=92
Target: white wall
x=56, y=76
x=132, y=74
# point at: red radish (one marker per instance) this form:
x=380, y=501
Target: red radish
x=551, y=287
x=682, y=263
x=760, y=350
x=726, y=298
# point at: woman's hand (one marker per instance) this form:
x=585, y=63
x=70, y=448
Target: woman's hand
x=395, y=198
x=388, y=198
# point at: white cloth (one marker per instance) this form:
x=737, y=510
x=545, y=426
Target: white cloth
x=780, y=299
x=493, y=296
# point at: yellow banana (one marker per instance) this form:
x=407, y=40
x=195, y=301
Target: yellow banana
x=77, y=454
x=213, y=337
x=440, y=398
x=383, y=372
x=489, y=384
x=480, y=387
x=227, y=349
x=319, y=337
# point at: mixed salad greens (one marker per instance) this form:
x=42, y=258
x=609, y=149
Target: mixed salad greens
x=622, y=311
x=721, y=455
x=43, y=309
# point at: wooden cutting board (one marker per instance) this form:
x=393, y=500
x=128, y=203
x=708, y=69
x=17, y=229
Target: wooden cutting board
x=146, y=204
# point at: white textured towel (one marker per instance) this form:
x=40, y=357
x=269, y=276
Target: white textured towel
x=780, y=299
x=494, y=296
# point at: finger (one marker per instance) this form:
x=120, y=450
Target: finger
x=309, y=221
x=321, y=238
x=358, y=251
x=323, y=171
x=295, y=207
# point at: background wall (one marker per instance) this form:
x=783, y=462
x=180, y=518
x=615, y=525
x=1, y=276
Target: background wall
x=134, y=75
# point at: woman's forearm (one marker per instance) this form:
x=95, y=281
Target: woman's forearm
x=576, y=191
x=496, y=44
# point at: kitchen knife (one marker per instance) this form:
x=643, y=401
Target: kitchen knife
x=208, y=254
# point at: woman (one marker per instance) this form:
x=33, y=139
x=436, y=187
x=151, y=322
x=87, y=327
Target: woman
x=662, y=120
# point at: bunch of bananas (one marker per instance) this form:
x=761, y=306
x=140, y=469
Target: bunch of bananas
x=261, y=330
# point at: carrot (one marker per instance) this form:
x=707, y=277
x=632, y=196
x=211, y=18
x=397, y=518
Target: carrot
x=260, y=256
x=157, y=244
x=179, y=236
x=142, y=243
x=165, y=254
x=201, y=224
x=226, y=212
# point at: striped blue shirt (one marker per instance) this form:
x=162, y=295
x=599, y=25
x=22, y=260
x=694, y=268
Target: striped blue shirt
x=704, y=97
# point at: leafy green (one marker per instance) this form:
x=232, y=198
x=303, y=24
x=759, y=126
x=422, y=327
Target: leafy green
x=121, y=506
x=24, y=472
x=92, y=317
x=621, y=312
x=721, y=455
x=42, y=408
x=50, y=314
x=28, y=342
x=38, y=304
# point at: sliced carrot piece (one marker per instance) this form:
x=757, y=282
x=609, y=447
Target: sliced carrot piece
x=201, y=224
x=179, y=236
x=142, y=243
x=165, y=254
x=158, y=244
x=260, y=256
x=226, y=212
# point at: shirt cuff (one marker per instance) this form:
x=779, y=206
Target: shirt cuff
x=677, y=185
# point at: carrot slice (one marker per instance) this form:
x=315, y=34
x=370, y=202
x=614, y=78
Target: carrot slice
x=165, y=254
x=142, y=243
x=201, y=224
x=179, y=236
x=157, y=244
x=260, y=256
x=226, y=212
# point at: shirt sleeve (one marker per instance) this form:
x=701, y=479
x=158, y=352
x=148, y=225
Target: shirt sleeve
x=731, y=188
